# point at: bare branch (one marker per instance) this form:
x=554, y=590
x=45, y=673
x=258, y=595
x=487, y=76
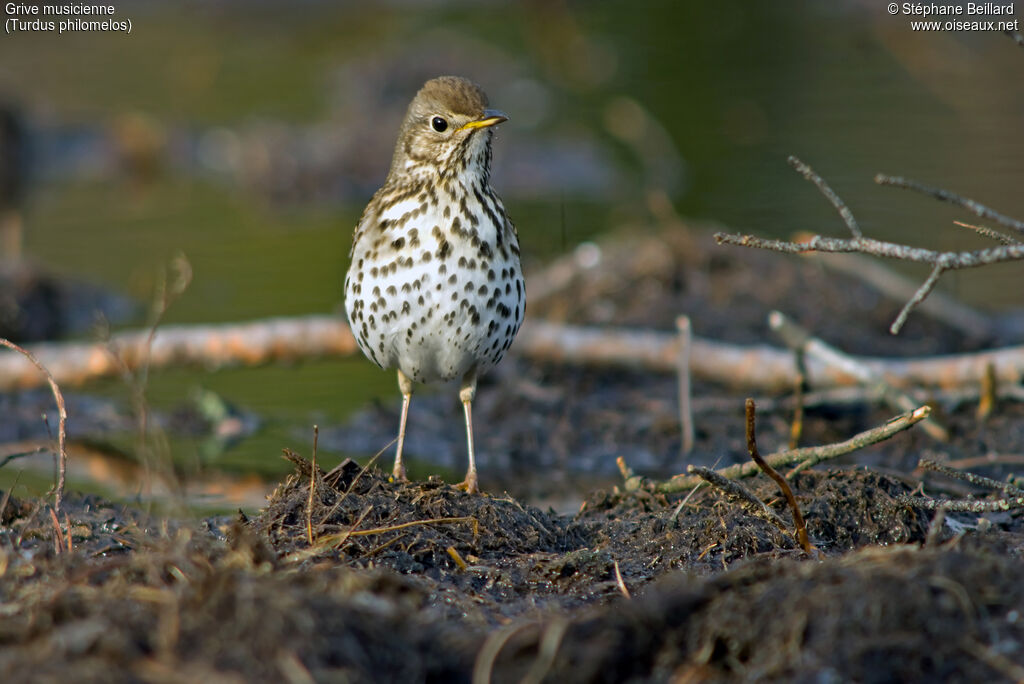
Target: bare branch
x=940, y=261
x=926, y=288
x=840, y=206
x=806, y=456
x=976, y=208
x=962, y=505
x=890, y=250
x=801, y=341
x=979, y=480
x=898, y=287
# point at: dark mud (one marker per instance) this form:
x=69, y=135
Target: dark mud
x=370, y=579
x=413, y=582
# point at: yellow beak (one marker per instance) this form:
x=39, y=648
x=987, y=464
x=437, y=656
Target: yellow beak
x=491, y=117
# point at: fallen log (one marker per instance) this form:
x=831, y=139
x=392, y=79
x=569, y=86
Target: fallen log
x=757, y=367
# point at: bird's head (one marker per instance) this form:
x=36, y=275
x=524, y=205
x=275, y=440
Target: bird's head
x=447, y=128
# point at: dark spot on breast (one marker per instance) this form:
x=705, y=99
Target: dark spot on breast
x=392, y=290
x=398, y=244
x=444, y=250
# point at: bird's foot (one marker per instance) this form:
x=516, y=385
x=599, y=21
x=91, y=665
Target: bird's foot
x=470, y=485
x=398, y=473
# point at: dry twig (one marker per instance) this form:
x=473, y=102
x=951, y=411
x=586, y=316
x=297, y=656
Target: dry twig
x=806, y=457
x=990, y=233
x=965, y=203
x=898, y=287
x=787, y=491
x=989, y=393
x=796, y=428
x=940, y=261
x=962, y=505
x=685, y=409
x=623, y=589
x=800, y=340
x=738, y=491
x=979, y=480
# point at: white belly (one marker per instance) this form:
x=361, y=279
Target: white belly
x=438, y=305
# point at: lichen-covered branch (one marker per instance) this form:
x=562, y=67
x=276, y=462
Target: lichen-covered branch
x=806, y=456
x=940, y=261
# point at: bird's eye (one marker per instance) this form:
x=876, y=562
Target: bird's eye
x=439, y=124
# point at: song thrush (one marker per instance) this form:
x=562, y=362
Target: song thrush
x=435, y=288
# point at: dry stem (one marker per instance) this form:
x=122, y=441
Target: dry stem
x=62, y=412
x=312, y=487
x=798, y=518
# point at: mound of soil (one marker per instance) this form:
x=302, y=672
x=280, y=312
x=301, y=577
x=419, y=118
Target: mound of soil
x=420, y=581
x=348, y=575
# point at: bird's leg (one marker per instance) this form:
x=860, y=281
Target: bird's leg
x=405, y=385
x=466, y=394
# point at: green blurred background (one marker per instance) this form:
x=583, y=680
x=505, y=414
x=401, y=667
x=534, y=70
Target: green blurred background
x=249, y=135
